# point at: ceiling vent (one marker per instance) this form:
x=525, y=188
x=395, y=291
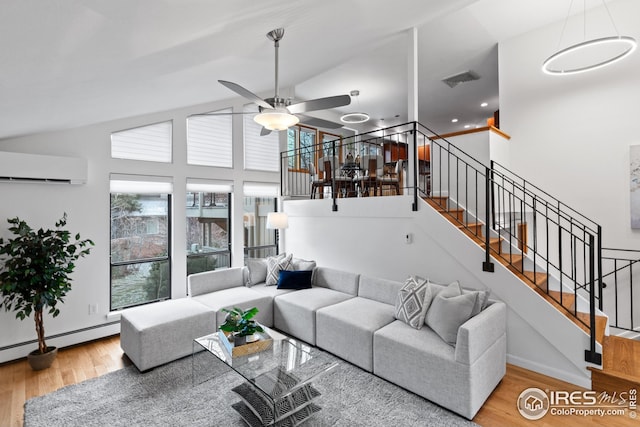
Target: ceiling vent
x=467, y=76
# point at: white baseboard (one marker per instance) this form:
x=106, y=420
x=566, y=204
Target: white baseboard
x=21, y=351
x=578, y=380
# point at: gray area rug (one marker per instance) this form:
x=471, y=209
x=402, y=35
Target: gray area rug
x=167, y=396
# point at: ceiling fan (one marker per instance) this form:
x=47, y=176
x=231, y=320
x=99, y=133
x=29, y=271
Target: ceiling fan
x=278, y=113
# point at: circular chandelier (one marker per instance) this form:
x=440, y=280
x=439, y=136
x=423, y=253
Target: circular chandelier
x=589, y=54
x=606, y=50
x=352, y=118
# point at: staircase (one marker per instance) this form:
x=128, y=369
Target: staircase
x=621, y=357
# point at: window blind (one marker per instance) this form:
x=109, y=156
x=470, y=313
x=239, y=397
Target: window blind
x=209, y=140
x=260, y=189
x=208, y=186
x=150, y=143
x=260, y=152
x=137, y=184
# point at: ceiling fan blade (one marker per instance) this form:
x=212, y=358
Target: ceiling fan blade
x=320, y=104
x=264, y=131
x=245, y=93
x=320, y=123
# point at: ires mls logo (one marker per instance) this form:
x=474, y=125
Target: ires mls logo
x=533, y=404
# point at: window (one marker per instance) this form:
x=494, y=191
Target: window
x=328, y=142
x=209, y=139
x=301, y=146
x=208, y=226
x=151, y=143
x=260, y=152
x=259, y=200
x=140, y=248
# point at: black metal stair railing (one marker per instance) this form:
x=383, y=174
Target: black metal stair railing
x=549, y=244
x=621, y=267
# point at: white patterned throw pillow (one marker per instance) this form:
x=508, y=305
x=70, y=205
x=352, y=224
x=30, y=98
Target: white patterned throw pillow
x=413, y=301
x=274, y=265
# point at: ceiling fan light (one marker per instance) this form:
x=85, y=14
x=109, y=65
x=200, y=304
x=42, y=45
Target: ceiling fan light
x=275, y=120
x=354, y=118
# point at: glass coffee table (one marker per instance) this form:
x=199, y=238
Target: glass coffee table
x=278, y=390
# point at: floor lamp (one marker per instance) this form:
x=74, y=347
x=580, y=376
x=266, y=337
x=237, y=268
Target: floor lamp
x=277, y=221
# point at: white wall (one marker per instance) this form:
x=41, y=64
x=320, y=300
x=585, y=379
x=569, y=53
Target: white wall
x=87, y=207
x=571, y=134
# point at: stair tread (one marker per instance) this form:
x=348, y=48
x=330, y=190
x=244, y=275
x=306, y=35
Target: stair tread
x=616, y=375
x=568, y=299
x=538, y=277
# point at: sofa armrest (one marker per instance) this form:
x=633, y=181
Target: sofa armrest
x=215, y=280
x=479, y=333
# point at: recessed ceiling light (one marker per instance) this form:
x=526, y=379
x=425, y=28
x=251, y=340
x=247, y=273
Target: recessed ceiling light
x=484, y=104
x=467, y=126
x=454, y=120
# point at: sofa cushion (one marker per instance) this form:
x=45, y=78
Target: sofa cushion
x=346, y=329
x=154, y=334
x=338, y=280
x=274, y=265
x=449, y=310
x=412, y=301
x=420, y=361
x=381, y=290
x=294, y=313
x=216, y=280
x=295, y=279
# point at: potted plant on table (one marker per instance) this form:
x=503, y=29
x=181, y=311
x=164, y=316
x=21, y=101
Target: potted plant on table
x=34, y=276
x=240, y=325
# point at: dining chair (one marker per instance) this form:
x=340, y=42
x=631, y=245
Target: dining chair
x=393, y=180
x=369, y=180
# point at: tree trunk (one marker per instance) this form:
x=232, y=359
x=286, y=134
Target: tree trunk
x=42, y=347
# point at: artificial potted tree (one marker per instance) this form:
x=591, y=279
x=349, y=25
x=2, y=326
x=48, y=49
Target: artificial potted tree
x=34, y=276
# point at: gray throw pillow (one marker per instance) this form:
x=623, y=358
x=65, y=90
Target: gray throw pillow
x=302, y=264
x=449, y=310
x=257, y=270
x=412, y=301
x=274, y=265
x=482, y=298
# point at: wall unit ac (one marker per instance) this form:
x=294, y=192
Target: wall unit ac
x=37, y=168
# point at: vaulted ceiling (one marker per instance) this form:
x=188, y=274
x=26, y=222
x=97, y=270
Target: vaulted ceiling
x=69, y=63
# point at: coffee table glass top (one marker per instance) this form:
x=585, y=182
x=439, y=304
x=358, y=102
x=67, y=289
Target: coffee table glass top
x=283, y=354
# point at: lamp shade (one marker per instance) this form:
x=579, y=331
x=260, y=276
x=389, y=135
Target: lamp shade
x=277, y=220
x=276, y=120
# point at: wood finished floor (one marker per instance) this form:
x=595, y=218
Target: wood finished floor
x=18, y=383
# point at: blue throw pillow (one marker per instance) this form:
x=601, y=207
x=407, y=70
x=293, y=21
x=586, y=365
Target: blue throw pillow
x=296, y=279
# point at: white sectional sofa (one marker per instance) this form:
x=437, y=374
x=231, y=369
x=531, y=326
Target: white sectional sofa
x=353, y=316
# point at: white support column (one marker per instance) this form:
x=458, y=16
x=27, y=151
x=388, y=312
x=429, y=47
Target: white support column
x=412, y=95
x=412, y=74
